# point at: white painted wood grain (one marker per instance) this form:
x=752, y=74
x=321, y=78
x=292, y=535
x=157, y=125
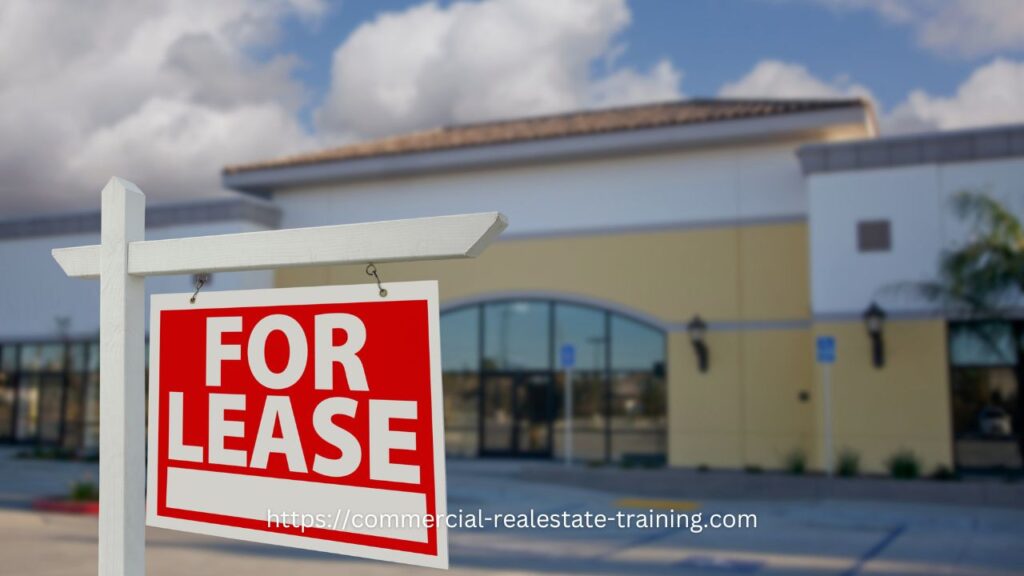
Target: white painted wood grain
x=122, y=394
x=459, y=236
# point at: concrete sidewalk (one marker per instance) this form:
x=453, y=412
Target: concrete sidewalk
x=24, y=479
x=797, y=536
x=793, y=538
x=730, y=485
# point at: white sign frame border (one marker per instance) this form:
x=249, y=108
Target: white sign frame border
x=397, y=291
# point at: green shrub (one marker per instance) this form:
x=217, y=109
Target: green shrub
x=84, y=491
x=944, y=473
x=703, y=468
x=849, y=463
x=753, y=469
x=904, y=465
x=796, y=462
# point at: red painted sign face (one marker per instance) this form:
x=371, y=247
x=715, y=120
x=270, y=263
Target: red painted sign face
x=305, y=417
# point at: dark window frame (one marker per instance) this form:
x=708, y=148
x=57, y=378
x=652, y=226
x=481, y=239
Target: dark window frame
x=608, y=370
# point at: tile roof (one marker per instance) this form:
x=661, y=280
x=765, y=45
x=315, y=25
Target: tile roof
x=556, y=126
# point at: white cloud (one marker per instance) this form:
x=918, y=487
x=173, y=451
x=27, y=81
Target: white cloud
x=627, y=86
x=432, y=65
x=960, y=27
x=163, y=93
x=177, y=148
x=992, y=94
x=778, y=79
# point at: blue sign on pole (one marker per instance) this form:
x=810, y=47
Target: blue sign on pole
x=825, y=349
x=567, y=356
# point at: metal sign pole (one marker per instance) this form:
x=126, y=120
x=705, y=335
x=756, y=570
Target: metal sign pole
x=826, y=399
x=825, y=355
x=568, y=416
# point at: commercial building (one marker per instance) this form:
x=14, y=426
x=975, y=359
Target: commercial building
x=690, y=253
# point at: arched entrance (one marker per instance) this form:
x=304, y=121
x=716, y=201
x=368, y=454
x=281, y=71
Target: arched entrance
x=504, y=391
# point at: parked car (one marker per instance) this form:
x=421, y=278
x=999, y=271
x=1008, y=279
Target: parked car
x=994, y=421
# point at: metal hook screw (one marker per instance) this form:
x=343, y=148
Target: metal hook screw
x=371, y=270
x=200, y=280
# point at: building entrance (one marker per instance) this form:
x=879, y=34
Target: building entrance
x=517, y=411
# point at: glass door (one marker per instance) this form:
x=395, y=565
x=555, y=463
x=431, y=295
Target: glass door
x=534, y=415
x=497, y=422
x=516, y=416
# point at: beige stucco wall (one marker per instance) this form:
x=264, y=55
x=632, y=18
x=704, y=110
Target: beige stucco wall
x=751, y=283
x=726, y=274
x=903, y=405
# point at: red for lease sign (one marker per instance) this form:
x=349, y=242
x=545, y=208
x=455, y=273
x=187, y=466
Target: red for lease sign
x=303, y=417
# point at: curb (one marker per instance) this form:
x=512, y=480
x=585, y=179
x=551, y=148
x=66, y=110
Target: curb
x=63, y=506
x=689, y=484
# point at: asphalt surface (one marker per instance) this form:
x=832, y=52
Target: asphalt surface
x=791, y=537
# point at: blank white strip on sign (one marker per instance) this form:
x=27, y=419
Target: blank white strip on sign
x=369, y=511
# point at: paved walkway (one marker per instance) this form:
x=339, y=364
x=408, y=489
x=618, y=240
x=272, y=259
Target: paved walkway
x=792, y=537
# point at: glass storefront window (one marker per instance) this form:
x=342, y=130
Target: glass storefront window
x=42, y=358
x=91, y=412
x=983, y=358
x=638, y=414
x=27, y=425
x=460, y=340
x=589, y=413
x=8, y=358
x=513, y=379
x=73, y=424
x=460, y=360
x=93, y=361
x=517, y=336
x=584, y=329
x=51, y=396
x=636, y=346
x=7, y=397
x=77, y=356
x=982, y=344
x=984, y=400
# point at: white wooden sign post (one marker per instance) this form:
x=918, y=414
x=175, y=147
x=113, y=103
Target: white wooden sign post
x=124, y=258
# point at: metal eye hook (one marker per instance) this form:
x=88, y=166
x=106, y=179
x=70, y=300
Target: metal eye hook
x=200, y=280
x=371, y=270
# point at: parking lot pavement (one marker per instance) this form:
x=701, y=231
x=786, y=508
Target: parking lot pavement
x=791, y=537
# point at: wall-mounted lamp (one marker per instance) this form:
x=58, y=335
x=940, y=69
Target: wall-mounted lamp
x=874, y=322
x=697, y=329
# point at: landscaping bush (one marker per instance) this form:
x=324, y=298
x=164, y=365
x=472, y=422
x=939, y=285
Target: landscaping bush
x=849, y=463
x=84, y=491
x=753, y=469
x=796, y=462
x=904, y=465
x=944, y=473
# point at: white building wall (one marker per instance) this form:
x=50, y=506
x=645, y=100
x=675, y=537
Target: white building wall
x=917, y=202
x=34, y=291
x=695, y=187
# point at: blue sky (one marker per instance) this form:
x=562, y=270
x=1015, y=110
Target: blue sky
x=167, y=93
x=718, y=41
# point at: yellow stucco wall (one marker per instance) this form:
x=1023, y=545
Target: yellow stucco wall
x=903, y=405
x=745, y=273
x=752, y=283
x=746, y=409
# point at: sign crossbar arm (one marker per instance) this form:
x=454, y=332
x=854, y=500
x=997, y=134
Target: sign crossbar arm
x=433, y=238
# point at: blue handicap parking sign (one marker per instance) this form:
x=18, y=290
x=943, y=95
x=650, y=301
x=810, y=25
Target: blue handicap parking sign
x=825, y=348
x=567, y=356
